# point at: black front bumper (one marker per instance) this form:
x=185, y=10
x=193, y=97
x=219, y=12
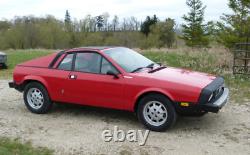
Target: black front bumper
x=219, y=99
x=15, y=86
x=217, y=104
x=204, y=104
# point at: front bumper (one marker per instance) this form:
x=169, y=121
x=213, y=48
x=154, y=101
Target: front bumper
x=217, y=104
x=15, y=86
x=204, y=104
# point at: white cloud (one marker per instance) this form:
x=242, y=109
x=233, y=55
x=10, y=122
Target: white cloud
x=123, y=8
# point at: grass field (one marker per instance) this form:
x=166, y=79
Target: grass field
x=216, y=61
x=14, y=147
x=18, y=56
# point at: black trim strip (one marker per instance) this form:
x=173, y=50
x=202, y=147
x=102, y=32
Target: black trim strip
x=209, y=89
x=56, y=58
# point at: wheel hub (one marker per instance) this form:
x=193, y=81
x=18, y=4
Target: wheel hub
x=155, y=113
x=35, y=98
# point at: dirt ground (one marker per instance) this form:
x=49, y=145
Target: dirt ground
x=77, y=130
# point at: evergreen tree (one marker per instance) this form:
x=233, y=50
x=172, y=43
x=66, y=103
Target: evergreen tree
x=67, y=21
x=67, y=17
x=99, y=22
x=194, y=30
x=145, y=27
x=235, y=27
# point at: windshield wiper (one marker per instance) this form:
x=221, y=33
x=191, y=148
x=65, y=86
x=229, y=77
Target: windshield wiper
x=157, y=69
x=137, y=69
x=148, y=66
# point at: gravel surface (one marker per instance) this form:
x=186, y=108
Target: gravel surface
x=77, y=130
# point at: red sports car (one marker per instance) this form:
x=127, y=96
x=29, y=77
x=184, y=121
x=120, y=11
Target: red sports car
x=118, y=78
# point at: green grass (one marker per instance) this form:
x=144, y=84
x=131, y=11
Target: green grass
x=215, y=61
x=198, y=61
x=14, y=147
x=18, y=56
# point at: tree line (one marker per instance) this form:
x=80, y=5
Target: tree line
x=49, y=32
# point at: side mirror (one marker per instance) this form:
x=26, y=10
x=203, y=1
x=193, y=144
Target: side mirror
x=113, y=74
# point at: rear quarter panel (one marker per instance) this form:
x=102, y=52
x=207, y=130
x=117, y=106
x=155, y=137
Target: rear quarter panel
x=50, y=78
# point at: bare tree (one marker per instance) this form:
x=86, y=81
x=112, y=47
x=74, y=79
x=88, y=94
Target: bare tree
x=115, y=22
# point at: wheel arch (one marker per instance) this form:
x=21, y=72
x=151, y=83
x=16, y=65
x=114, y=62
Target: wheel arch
x=153, y=91
x=29, y=79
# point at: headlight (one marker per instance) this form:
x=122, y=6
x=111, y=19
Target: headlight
x=210, y=97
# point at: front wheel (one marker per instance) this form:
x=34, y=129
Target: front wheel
x=36, y=98
x=156, y=112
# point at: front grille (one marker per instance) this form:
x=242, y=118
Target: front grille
x=217, y=93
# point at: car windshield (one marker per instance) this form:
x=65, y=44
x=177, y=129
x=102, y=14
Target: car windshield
x=128, y=59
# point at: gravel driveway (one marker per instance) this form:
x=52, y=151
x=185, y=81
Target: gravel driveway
x=77, y=130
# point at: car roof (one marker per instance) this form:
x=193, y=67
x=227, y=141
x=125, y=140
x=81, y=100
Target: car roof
x=91, y=48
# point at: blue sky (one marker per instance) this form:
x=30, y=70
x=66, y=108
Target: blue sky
x=123, y=8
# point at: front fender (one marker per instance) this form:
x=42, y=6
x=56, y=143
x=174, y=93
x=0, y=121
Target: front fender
x=150, y=90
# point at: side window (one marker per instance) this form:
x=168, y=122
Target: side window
x=107, y=66
x=88, y=62
x=66, y=64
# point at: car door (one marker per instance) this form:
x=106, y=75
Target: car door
x=58, y=78
x=90, y=84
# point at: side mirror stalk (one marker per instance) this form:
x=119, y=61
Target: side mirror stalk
x=113, y=74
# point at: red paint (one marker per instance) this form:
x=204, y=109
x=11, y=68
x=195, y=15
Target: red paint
x=104, y=90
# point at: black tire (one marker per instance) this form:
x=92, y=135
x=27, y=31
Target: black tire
x=47, y=104
x=171, y=113
x=5, y=66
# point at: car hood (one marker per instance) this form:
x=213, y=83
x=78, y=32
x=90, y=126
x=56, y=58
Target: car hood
x=181, y=77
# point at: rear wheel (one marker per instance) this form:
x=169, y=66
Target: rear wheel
x=36, y=98
x=156, y=112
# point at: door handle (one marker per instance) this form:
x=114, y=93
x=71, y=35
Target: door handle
x=72, y=77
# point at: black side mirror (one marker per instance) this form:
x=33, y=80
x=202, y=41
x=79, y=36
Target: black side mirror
x=113, y=74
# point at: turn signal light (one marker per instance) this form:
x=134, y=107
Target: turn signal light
x=184, y=104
